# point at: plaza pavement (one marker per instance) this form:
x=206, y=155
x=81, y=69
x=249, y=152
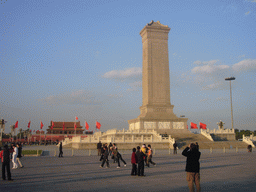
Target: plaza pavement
x=219, y=172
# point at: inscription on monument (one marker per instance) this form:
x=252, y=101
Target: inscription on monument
x=178, y=125
x=159, y=110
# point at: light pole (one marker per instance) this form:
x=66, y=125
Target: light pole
x=231, y=79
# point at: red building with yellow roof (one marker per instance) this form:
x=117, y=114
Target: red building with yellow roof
x=66, y=128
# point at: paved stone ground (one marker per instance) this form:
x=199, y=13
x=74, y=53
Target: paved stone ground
x=219, y=172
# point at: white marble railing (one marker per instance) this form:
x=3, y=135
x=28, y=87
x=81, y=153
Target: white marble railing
x=206, y=134
x=219, y=131
x=123, y=137
x=248, y=141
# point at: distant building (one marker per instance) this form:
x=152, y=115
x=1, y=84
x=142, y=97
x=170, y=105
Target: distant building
x=69, y=128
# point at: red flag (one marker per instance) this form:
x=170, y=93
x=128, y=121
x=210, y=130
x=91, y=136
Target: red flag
x=75, y=126
x=98, y=125
x=41, y=125
x=34, y=131
x=76, y=118
x=29, y=124
x=86, y=126
x=63, y=126
x=193, y=125
x=52, y=125
x=202, y=126
x=30, y=130
x=16, y=124
x=187, y=126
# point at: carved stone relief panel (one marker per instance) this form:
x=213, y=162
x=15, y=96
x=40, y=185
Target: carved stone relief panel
x=178, y=125
x=137, y=125
x=131, y=126
x=149, y=125
x=164, y=125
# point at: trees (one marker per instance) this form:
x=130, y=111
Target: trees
x=240, y=133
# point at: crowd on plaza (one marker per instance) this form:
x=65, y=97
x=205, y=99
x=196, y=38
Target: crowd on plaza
x=141, y=157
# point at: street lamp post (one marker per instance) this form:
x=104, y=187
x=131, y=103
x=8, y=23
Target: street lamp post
x=231, y=79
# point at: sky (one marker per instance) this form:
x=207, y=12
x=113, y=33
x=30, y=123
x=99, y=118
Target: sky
x=61, y=58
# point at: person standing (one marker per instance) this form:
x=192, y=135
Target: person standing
x=197, y=146
x=99, y=146
x=110, y=148
x=60, y=150
x=14, y=157
x=141, y=157
x=175, y=148
x=5, y=156
x=105, y=157
x=19, y=155
x=149, y=158
x=114, y=153
x=192, y=167
x=144, y=150
x=134, y=161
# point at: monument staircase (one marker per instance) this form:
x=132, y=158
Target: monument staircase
x=184, y=139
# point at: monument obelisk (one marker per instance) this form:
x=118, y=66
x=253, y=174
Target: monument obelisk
x=156, y=111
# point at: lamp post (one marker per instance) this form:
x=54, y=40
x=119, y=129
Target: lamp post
x=231, y=79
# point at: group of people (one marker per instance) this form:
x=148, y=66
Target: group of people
x=13, y=153
x=112, y=151
x=142, y=157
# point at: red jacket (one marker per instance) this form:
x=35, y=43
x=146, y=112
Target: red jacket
x=134, y=158
x=1, y=155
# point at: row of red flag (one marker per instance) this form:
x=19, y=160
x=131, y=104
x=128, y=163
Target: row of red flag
x=194, y=126
x=98, y=125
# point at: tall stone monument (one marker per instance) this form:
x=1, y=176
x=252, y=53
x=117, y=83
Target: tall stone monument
x=156, y=111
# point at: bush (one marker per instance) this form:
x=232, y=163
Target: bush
x=31, y=152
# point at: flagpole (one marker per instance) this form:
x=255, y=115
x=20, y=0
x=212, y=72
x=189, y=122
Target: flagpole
x=74, y=127
x=51, y=134
x=40, y=132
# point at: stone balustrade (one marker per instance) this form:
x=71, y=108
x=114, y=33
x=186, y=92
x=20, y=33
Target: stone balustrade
x=248, y=141
x=206, y=134
x=122, y=137
x=219, y=131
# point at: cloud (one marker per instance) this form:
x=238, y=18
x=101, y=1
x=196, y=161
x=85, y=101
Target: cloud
x=245, y=65
x=134, y=72
x=211, y=62
x=222, y=99
x=208, y=67
x=203, y=100
x=135, y=86
x=213, y=86
x=115, y=95
x=73, y=98
x=247, y=13
x=240, y=56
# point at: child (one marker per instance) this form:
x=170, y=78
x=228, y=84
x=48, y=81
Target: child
x=134, y=162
